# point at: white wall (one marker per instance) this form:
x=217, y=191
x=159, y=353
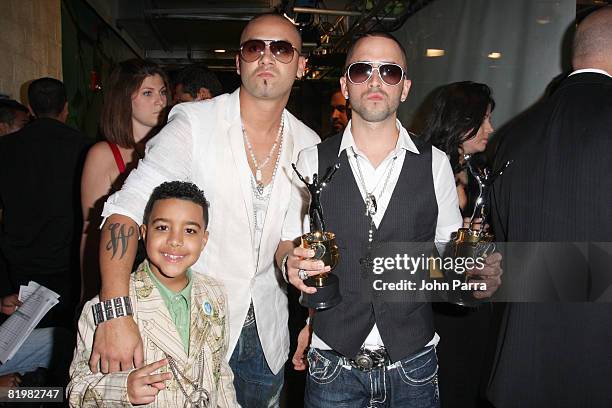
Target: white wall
x=30, y=44
x=527, y=33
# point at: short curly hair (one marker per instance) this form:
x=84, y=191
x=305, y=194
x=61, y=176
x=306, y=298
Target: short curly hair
x=181, y=190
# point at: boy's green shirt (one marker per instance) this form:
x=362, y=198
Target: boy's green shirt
x=178, y=304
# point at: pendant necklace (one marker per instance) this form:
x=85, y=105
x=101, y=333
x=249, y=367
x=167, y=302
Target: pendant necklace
x=258, y=167
x=371, y=206
x=199, y=397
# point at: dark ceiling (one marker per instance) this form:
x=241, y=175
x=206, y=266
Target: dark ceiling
x=178, y=32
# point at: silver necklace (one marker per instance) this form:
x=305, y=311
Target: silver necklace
x=257, y=185
x=259, y=189
x=371, y=207
x=259, y=167
x=199, y=397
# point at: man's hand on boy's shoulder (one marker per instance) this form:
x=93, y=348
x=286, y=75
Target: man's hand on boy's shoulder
x=117, y=346
x=143, y=386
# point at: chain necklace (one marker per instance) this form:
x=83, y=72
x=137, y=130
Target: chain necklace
x=199, y=397
x=259, y=167
x=260, y=193
x=257, y=185
x=371, y=206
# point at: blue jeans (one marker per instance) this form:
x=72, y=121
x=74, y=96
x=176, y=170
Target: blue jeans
x=256, y=385
x=38, y=350
x=409, y=383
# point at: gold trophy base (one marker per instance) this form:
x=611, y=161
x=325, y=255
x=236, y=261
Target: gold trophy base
x=323, y=243
x=468, y=243
x=327, y=294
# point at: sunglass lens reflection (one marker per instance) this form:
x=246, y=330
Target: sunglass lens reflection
x=359, y=72
x=390, y=74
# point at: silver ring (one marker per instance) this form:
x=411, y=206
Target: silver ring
x=302, y=274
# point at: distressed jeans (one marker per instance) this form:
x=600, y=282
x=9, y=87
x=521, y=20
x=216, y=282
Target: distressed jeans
x=408, y=383
x=256, y=385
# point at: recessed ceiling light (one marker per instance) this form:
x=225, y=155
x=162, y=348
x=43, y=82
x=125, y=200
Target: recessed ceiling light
x=219, y=51
x=434, y=52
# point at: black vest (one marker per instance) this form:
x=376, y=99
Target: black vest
x=411, y=216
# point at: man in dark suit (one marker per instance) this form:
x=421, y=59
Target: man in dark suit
x=559, y=190
x=40, y=168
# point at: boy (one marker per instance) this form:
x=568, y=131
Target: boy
x=181, y=316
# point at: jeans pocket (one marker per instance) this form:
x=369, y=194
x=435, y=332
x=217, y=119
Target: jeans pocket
x=420, y=369
x=322, y=370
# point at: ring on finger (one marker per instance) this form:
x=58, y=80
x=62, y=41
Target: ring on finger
x=302, y=274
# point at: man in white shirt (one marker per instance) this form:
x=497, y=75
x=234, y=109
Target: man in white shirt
x=411, y=193
x=238, y=148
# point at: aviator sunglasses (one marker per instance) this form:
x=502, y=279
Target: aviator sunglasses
x=361, y=71
x=252, y=50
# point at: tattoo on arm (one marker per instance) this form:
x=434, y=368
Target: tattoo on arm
x=119, y=239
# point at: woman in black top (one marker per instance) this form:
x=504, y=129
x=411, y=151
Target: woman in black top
x=460, y=124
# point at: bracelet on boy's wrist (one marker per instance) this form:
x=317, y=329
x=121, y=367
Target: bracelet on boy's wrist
x=111, y=309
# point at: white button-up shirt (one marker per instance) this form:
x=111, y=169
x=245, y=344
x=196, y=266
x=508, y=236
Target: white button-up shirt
x=449, y=216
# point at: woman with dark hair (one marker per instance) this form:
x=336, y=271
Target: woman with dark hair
x=135, y=99
x=460, y=124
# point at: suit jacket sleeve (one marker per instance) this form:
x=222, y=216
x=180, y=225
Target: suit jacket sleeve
x=87, y=389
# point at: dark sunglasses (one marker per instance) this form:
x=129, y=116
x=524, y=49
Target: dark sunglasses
x=252, y=50
x=361, y=71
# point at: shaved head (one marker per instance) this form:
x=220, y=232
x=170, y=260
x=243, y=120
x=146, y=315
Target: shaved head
x=273, y=21
x=266, y=77
x=593, y=41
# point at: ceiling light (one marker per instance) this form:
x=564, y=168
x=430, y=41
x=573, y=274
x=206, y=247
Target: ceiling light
x=494, y=55
x=219, y=51
x=434, y=52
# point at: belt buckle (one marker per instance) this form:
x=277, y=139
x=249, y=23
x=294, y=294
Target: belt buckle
x=363, y=361
x=367, y=359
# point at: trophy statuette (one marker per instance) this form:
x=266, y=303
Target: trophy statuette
x=472, y=242
x=323, y=243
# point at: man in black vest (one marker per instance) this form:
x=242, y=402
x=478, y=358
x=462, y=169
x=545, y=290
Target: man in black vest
x=389, y=187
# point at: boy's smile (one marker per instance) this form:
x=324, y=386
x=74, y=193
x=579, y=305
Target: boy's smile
x=174, y=237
